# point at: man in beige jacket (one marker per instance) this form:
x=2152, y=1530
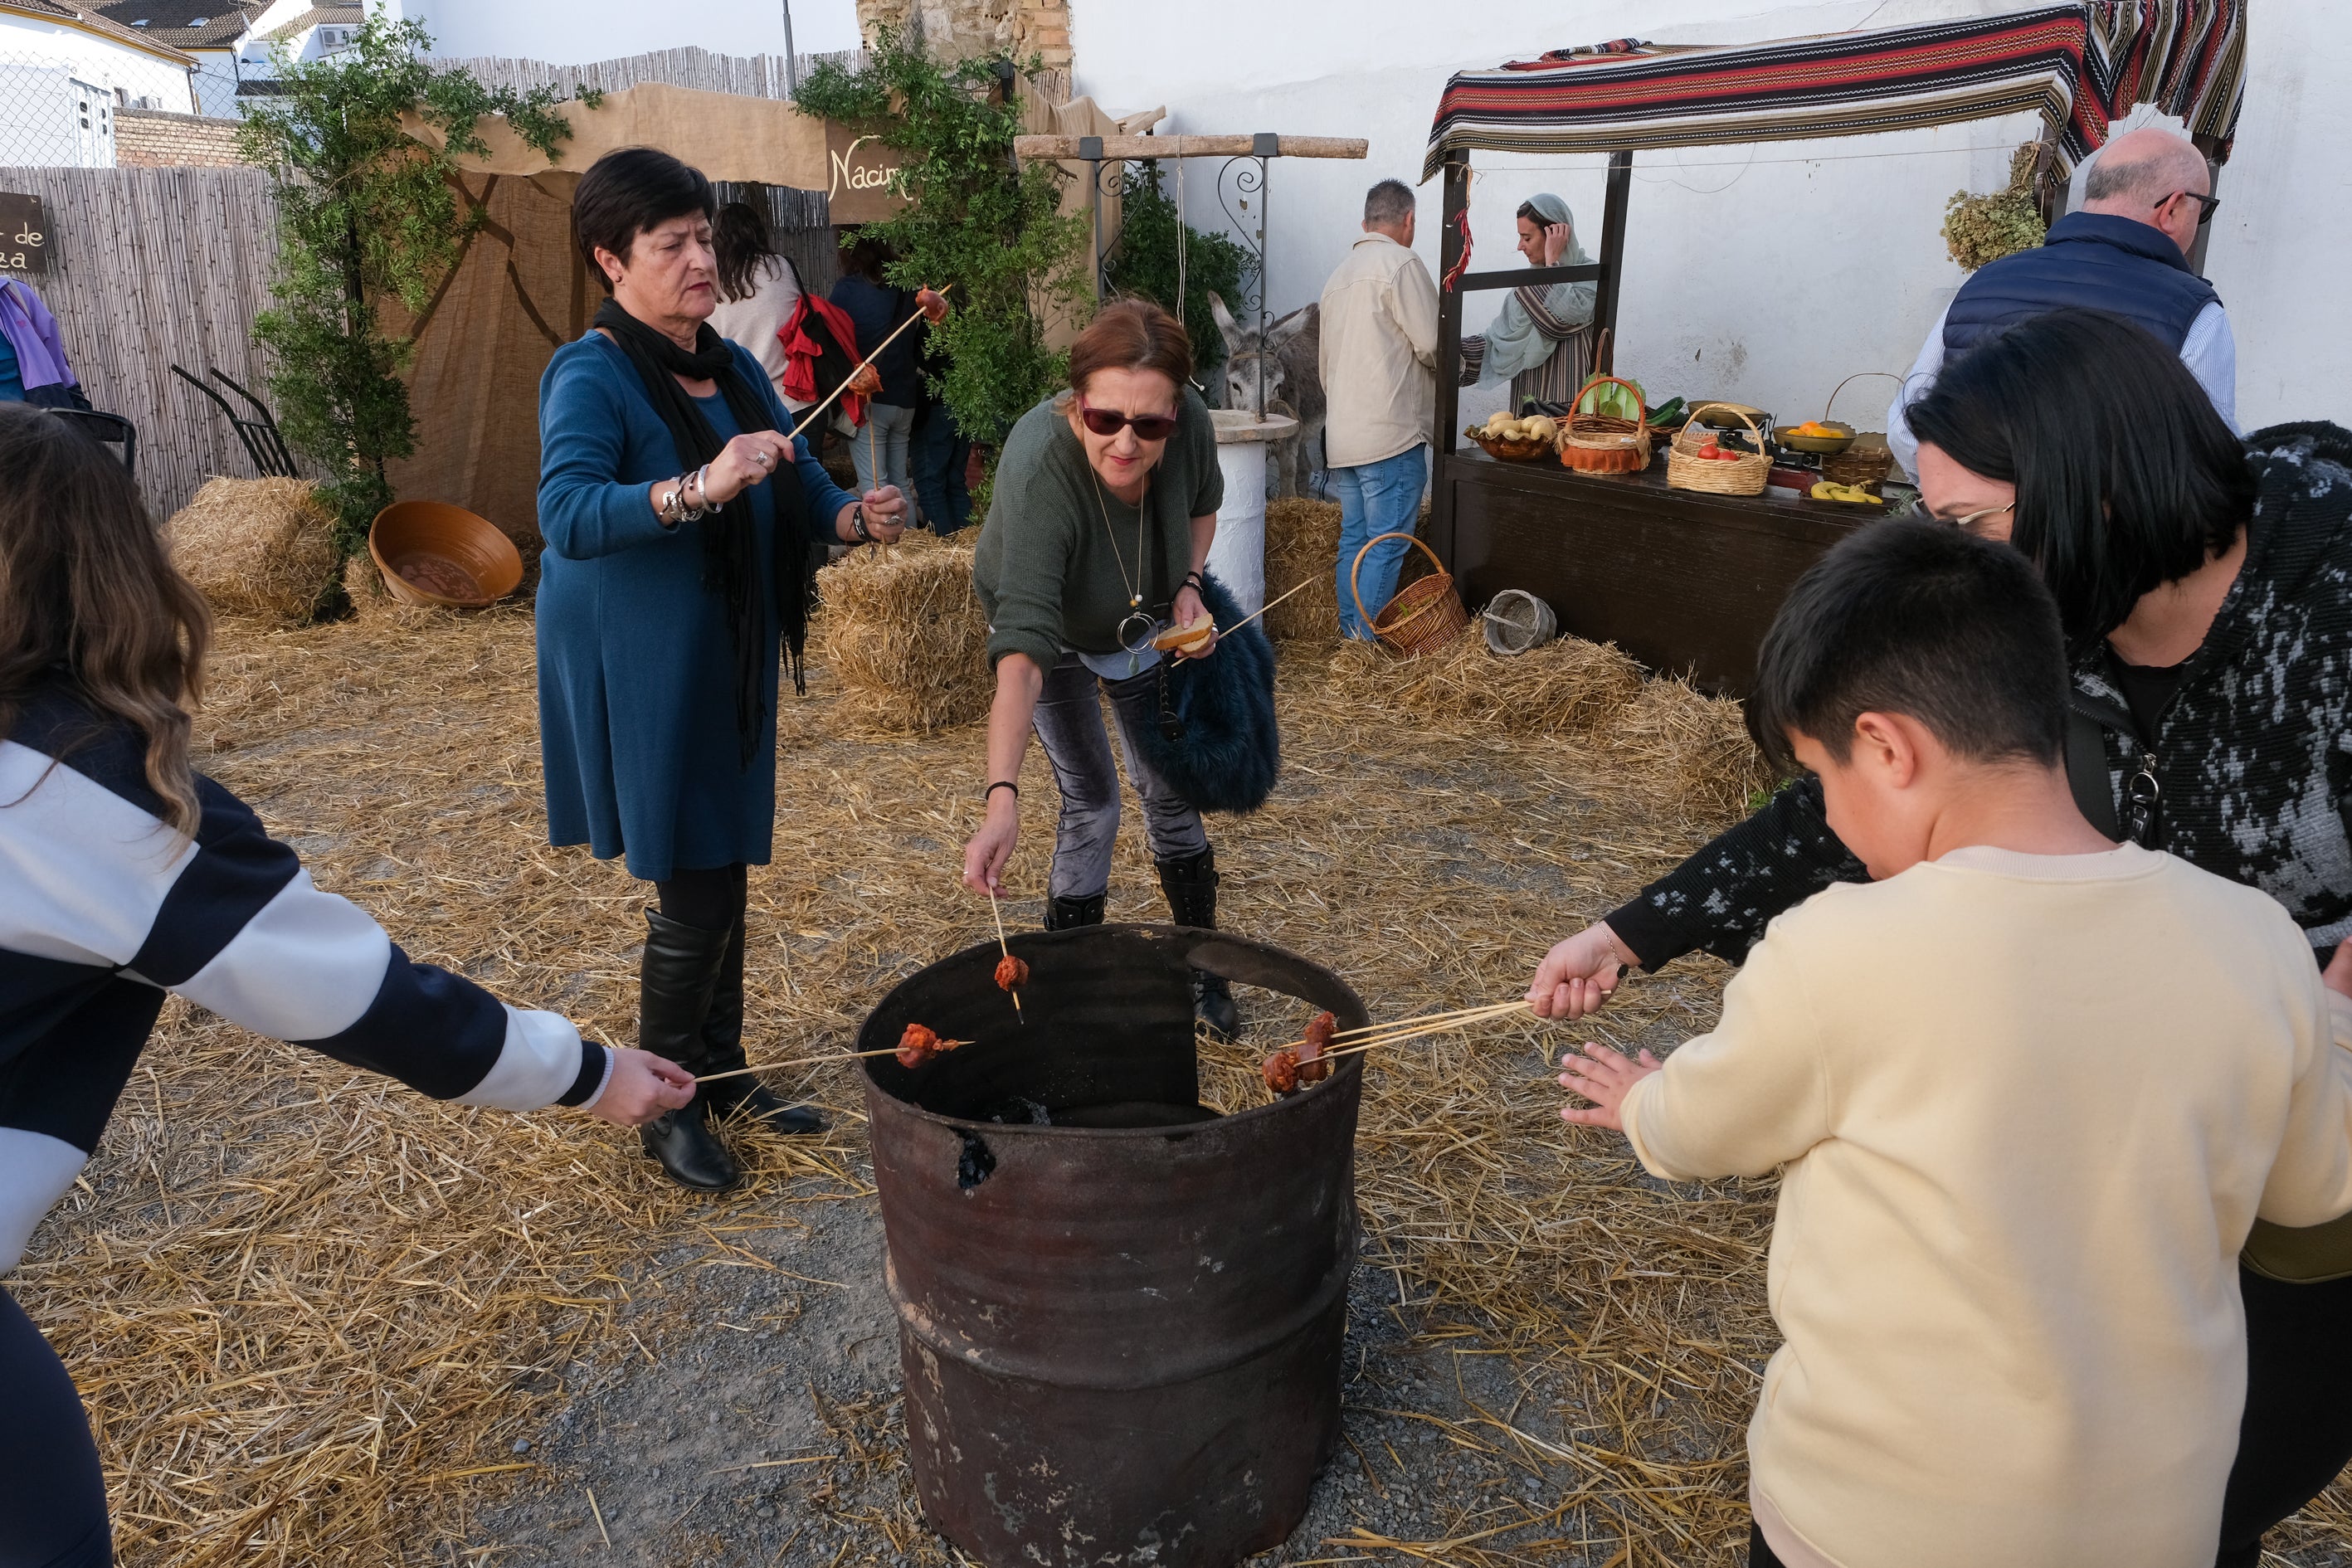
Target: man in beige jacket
x=1378, y=358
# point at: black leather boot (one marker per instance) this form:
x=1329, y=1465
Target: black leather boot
x=1190, y=885
x=675, y=979
x=722, y=1042
x=1062, y=913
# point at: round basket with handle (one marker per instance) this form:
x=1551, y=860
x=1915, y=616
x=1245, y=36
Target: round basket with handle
x=1605, y=443
x=1868, y=460
x=1426, y=614
x=1516, y=620
x=1741, y=475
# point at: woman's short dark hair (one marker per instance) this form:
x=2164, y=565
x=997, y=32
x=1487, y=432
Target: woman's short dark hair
x=739, y=235
x=2125, y=475
x=867, y=256
x=628, y=191
x=1920, y=619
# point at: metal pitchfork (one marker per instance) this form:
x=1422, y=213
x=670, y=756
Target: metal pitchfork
x=262, y=442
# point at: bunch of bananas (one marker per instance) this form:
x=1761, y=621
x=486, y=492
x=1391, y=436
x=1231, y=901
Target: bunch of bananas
x=1829, y=490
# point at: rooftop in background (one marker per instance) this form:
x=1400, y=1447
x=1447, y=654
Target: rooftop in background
x=316, y=16
x=184, y=24
x=89, y=19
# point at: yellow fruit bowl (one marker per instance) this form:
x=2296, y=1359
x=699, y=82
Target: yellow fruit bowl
x=1827, y=446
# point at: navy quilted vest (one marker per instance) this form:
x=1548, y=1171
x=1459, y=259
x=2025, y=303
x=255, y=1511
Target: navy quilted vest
x=2093, y=259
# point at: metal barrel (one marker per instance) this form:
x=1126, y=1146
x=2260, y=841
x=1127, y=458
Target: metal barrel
x=1121, y=1324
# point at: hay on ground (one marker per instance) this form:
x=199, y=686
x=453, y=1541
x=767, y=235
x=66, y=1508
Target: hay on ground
x=371, y=601
x=904, y=635
x=1568, y=687
x=1693, y=747
x=256, y=547
x=1302, y=543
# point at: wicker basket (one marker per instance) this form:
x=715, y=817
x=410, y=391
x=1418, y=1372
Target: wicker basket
x=1742, y=475
x=1426, y=614
x=1516, y=620
x=1868, y=460
x=1508, y=451
x=1604, y=443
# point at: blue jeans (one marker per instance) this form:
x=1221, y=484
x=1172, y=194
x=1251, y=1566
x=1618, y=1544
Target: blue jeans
x=884, y=440
x=939, y=454
x=1375, y=499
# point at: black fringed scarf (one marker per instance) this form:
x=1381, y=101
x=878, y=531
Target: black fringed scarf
x=730, y=555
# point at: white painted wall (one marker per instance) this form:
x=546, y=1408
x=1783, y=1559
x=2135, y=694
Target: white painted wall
x=578, y=32
x=1767, y=273
x=60, y=87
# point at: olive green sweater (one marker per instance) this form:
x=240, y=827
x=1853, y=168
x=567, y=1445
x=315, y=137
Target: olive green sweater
x=1048, y=569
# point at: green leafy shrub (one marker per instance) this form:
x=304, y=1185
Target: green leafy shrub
x=366, y=213
x=1143, y=262
x=980, y=221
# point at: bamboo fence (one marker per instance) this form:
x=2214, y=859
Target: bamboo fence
x=152, y=266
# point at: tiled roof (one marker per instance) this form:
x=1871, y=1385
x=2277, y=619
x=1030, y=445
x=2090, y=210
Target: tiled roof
x=185, y=24
x=89, y=19
x=318, y=17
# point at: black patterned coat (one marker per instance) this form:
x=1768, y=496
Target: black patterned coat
x=2252, y=757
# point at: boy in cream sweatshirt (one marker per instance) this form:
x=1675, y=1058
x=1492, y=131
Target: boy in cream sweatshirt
x=2030, y=1089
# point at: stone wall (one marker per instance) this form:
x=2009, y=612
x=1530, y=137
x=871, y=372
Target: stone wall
x=963, y=29
x=156, y=138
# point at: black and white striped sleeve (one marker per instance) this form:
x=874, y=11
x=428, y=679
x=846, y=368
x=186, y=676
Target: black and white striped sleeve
x=232, y=921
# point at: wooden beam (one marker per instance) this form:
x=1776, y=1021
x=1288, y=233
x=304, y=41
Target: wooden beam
x=1122, y=147
x=1531, y=277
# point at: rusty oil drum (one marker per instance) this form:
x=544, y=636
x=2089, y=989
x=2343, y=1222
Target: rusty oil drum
x=1121, y=1326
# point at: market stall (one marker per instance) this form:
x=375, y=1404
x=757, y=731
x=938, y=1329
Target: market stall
x=1687, y=579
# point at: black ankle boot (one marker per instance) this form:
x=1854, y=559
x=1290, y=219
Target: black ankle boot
x=722, y=1043
x=675, y=979
x=1190, y=885
x=1062, y=913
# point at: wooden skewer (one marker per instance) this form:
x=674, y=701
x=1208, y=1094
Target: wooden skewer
x=1262, y=609
x=1413, y=1028
x=1006, y=948
x=813, y=1061
x=826, y=401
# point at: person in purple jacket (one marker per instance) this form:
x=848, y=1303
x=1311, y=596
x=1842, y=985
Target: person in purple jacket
x=125, y=876
x=33, y=365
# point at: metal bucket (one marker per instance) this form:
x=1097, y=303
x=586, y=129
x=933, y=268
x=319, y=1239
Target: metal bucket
x=1119, y=1313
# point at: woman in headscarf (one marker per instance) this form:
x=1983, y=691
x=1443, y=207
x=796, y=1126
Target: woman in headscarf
x=1541, y=340
x=679, y=522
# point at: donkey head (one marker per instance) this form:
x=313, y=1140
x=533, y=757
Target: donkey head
x=1244, y=352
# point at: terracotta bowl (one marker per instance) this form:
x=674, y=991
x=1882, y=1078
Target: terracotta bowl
x=433, y=553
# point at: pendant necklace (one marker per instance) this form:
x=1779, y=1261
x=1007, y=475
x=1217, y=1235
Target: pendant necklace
x=1138, y=626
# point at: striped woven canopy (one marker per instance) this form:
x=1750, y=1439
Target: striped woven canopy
x=2079, y=65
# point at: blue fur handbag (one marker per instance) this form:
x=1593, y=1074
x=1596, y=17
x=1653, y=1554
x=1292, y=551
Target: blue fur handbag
x=1216, y=741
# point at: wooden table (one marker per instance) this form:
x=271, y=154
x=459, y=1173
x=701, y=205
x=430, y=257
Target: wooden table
x=1685, y=582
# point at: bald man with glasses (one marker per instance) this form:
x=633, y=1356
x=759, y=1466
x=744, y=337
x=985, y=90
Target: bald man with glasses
x=2127, y=250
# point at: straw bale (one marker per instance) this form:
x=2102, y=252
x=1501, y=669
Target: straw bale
x=1568, y=687
x=1696, y=747
x=371, y=601
x=256, y=547
x=1302, y=544
x=904, y=634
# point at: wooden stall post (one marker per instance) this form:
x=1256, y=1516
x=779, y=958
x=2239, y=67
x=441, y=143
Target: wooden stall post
x=1612, y=253
x=1457, y=202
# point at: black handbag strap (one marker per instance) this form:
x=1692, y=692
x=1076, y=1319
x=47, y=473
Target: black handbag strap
x=2087, y=766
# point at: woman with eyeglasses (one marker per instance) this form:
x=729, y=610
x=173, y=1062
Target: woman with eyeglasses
x=2206, y=590
x=1098, y=528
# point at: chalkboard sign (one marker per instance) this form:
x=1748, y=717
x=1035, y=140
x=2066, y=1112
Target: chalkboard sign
x=24, y=234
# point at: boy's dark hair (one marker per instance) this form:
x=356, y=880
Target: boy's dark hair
x=2125, y=475
x=1924, y=620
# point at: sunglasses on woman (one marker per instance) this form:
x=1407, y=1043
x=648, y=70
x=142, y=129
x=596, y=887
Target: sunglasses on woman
x=1111, y=422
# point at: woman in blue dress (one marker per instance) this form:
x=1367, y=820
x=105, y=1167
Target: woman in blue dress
x=680, y=527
